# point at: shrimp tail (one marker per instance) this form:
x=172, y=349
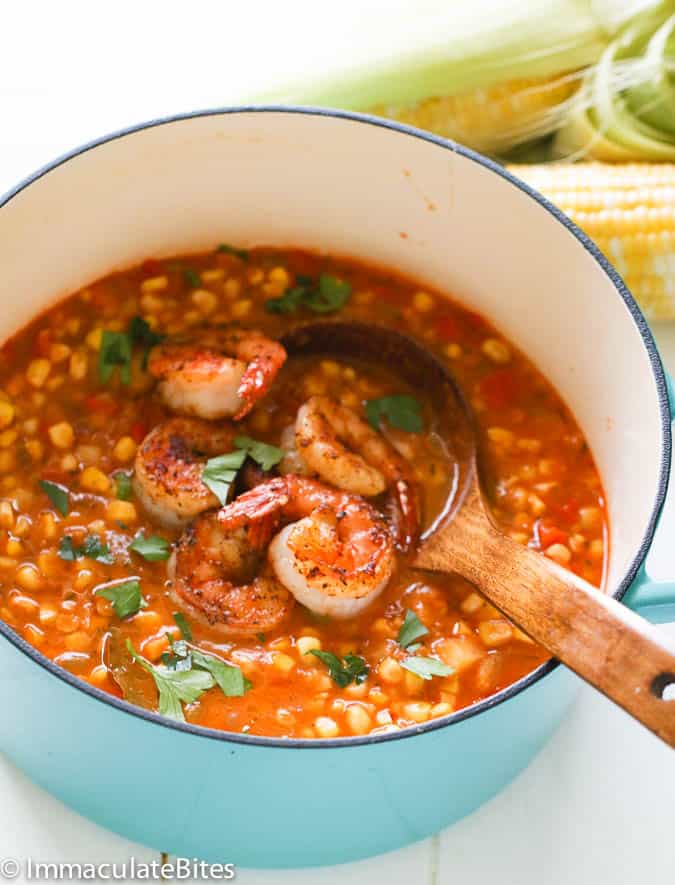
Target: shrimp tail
x=261, y=503
x=404, y=515
x=267, y=359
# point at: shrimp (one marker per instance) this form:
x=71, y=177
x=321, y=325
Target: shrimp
x=215, y=576
x=335, y=553
x=344, y=450
x=216, y=373
x=168, y=468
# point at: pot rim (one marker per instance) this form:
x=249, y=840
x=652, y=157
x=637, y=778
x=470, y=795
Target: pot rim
x=621, y=289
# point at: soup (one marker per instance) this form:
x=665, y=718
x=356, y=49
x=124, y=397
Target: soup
x=252, y=571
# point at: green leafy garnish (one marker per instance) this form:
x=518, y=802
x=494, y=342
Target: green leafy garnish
x=123, y=487
x=262, y=453
x=57, y=494
x=411, y=629
x=343, y=672
x=175, y=687
x=326, y=296
x=92, y=548
x=191, y=277
x=232, y=250
x=125, y=596
x=427, y=667
x=141, y=334
x=402, y=411
x=154, y=548
x=183, y=626
x=228, y=678
x=219, y=473
x=115, y=352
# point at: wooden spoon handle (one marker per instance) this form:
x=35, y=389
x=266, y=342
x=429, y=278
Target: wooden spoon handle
x=604, y=642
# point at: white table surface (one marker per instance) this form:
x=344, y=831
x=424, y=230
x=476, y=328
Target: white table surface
x=597, y=804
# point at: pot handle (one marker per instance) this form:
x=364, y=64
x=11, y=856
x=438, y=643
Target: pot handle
x=655, y=600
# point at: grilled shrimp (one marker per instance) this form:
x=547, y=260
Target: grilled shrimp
x=335, y=556
x=344, y=450
x=215, y=373
x=168, y=468
x=215, y=575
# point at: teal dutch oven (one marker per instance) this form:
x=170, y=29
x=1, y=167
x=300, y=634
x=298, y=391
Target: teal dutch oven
x=396, y=197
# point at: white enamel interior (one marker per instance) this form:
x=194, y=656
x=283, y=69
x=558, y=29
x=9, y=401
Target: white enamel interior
x=352, y=188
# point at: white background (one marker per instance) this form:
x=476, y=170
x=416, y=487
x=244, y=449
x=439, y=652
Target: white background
x=597, y=804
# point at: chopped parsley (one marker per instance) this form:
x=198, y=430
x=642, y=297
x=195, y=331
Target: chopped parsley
x=183, y=626
x=351, y=668
x=123, y=487
x=326, y=295
x=115, y=352
x=426, y=667
x=57, y=494
x=411, y=629
x=154, y=548
x=402, y=411
x=125, y=596
x=219, y=473
x=262, y=453
x=232, y=250
x=92, y=548
x=191, y=277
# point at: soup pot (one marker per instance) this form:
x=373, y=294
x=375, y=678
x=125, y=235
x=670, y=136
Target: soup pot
x=394, y=196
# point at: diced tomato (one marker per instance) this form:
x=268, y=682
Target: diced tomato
x=447, y=328
x=102, y=404
x=43, y=342
x=151, y=266
x=569, y=511
x=499, y=388
x=138, y=431
x=548, y=534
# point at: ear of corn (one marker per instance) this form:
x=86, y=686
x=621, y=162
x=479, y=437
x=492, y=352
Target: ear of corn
x=629, y=211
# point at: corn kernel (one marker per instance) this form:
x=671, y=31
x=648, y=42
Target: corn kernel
x=6, y=515
x=349, y=374
x=283, y=662
x=153, y=649
x=305, y=644
x=453, y=351
x=413, y=684
x=357, y=719
x=77, y=366
x=8, y=438
x=121, y=511
x=596, y=549
x=94, y=338
x=155, y=284
x=34, y=635
x=536, y=505
x=591, y=517
x=7, y=413
x=418, y=711
x=47, y=614
x=69, y=463
x=62, y=435
x=495, y=632
x=94, y=480
x=213, y=275
x=7, y=460
x=38, y=372
x=325, y=727
x=14, y=547
x=330, y=368
x=125, y=449
x=231, y=288
x=500, y=436
x=28, y=577
x=204, y=300
x=23, y=525
x=442, y=709
x=497, y=351
x=99, y=676
x=35, y=449
x=78, y=641
x=241, y=308
x=59, y=352
x=423, y=302
x=472, y=603
x=279, y=275
x=84, y=579
x=255, y=276
x=24, y=605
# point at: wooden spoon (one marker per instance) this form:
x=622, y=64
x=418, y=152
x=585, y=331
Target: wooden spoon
x=603, y=641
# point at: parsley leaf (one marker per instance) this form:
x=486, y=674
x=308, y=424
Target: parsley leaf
x=57, y=494
x=232, y=250
x=351, y=669
x=125, y=596
x=402, y=411
x=154, y=548
x=219, y=473
x=192, y=278
x=174, y=687
x=123, y=487
x=140, y=333
x=326, y=296
x=183, y=626
x=229, y=678
x=115, y=352
x=427, y=667
x=262, y=453
x=411, y=629
x=93, y=548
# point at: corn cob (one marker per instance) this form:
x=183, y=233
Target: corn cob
x=629, y=211
x=495, y=118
